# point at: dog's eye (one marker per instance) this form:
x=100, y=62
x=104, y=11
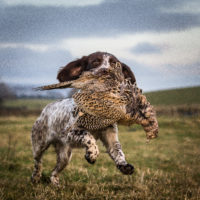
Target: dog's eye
x=112, y=62
x=96, y=63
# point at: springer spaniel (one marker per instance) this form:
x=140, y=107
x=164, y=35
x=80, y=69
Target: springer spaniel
x=53, y=125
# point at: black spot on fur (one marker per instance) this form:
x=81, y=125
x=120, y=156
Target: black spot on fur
x=89, y=142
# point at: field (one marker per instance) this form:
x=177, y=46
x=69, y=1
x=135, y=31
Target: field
x=183, y=96
x=166, y=168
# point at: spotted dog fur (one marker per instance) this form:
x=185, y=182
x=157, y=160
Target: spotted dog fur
x=54, y=127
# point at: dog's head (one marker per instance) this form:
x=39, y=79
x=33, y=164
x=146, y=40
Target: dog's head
x=94, y=61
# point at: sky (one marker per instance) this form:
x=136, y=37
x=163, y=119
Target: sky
x=158, y=39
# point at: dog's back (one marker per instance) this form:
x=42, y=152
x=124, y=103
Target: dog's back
x=55, y=118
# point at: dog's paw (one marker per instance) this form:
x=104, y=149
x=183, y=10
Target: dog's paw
x=126, y=169
x=55, y=181
x=35, y=178
x=90, y=159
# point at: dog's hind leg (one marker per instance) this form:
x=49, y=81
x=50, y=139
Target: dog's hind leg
x=38, y=150
x=39, y=144
x=63, y=152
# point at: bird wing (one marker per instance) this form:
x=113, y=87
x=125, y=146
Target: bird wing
x=100, y=104
x=103, y=92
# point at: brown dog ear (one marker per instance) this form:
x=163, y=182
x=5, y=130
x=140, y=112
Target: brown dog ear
x=72, y=70
x=128, y=73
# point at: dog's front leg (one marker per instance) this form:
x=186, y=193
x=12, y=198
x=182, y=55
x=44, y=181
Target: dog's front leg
x=109, y=137
x=80, y=137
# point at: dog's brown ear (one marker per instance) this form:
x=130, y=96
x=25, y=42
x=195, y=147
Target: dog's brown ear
x=128, y=73
x=72, y=70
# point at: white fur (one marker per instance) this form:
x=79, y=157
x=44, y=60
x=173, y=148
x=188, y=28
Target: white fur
x=105, y=63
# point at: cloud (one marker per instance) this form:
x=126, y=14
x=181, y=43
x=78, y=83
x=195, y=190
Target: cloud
x=48, y=23
x=68, y=3
x=178, y=48
x=153, y=49
x=33, y=47
x=146, y=48
x=188, y=7
x=159, y=39
x=25, y=65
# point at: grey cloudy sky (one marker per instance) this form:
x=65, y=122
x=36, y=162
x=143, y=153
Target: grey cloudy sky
x=158, y=39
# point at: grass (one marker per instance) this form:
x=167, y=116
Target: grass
x=30, y=104
x=166, y=168
x=182, y=96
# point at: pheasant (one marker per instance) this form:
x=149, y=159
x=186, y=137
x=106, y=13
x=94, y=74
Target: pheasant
x=106, y=97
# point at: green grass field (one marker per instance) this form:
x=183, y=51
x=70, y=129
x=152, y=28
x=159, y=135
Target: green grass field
x=166, y=168
x=184, y=96
x=30, y=104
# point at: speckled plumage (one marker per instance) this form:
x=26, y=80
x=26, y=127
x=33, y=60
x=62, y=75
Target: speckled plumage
x=103, y=96
x=106, y=97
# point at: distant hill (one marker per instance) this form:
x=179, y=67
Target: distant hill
x=27, y=91
x=183, y=102
x=184, y=96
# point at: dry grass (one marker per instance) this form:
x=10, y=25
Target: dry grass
x=167, y=168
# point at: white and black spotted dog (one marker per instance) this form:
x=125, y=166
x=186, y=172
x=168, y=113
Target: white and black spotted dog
x=53, y=125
